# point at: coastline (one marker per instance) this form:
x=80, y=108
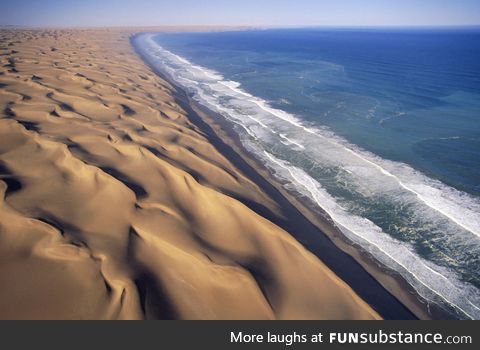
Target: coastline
x=115, y=205
x=381, y=287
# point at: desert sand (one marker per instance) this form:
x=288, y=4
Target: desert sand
x=114, y=205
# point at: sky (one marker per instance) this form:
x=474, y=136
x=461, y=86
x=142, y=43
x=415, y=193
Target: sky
x=240, y=12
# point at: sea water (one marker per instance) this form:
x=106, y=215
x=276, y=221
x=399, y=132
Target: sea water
x=378, y=127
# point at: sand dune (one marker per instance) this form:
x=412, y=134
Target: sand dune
x=115, y=206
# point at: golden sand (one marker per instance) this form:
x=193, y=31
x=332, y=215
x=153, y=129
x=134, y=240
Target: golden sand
x=113, y=205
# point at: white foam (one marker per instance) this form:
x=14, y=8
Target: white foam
x=362, y=230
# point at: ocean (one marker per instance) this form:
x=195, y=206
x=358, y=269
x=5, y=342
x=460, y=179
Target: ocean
x=378, y=127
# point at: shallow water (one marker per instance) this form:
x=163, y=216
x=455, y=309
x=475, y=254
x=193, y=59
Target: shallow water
x=379, y=128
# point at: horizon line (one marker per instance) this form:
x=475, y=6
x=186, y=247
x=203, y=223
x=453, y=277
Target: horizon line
x=256, y=26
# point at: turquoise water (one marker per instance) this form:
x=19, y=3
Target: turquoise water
x=381, y=128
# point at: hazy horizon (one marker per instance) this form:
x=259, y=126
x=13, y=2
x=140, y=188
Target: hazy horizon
x=268, y=13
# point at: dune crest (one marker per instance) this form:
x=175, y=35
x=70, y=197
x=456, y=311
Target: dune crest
x=114, y=205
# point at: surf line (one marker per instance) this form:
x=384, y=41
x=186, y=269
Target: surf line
x=333, y=216
x=273, y=111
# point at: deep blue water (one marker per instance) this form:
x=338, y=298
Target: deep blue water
x=411, y=96
x=381, y=128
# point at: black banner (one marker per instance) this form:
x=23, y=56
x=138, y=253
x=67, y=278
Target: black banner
x=241, y=335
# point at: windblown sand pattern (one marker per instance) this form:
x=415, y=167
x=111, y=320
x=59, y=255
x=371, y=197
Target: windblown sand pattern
x=113, y=205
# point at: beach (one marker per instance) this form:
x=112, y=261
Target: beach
x=123, y=199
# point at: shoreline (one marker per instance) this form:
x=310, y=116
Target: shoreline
x=381, y=287
x=122, y=198
x=115, y=205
